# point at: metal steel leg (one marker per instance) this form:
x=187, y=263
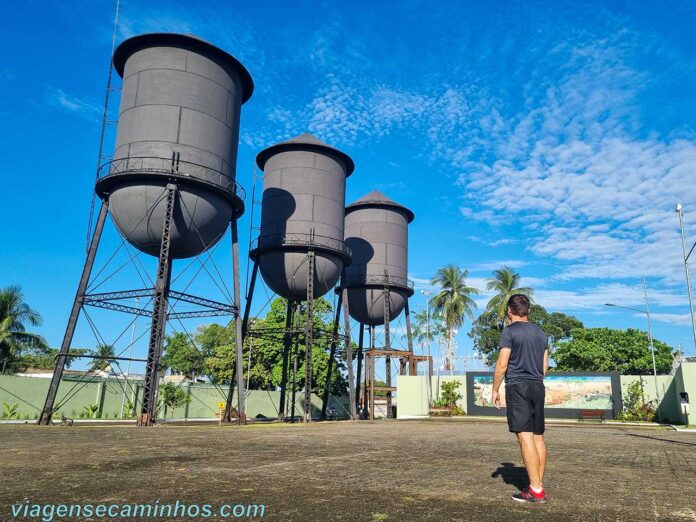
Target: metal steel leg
x=148, y=412
x=332, y=355
x=47, y=412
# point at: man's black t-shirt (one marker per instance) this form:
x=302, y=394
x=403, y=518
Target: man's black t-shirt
x=527, y=343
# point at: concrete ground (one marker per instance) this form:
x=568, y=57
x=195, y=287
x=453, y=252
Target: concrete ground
x=385, y=470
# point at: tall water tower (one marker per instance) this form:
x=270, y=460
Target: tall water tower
x=300, y=250
x=376, y=284
x=170, y=188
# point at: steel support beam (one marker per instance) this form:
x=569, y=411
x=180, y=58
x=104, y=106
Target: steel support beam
x=237, y=291
x=387, y=346
x=287, y=343
x=148, y=413
x=249, y=296
x=296, y=351
x=349, y=354
x=309, y=337
x=361, y=335
x=332, y=355
x=47, y=412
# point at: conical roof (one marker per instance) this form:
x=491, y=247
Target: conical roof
x=305, y=141
x=377, y=199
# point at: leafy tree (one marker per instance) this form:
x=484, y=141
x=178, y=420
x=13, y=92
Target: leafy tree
x=182, y=357
x=172, y=396
x=15, y=317
x=556, y=325
x=486, y=330
x=106, y=351
x=505, y=282
x=218, y=345
x=426, y=328
x=264, y=367
x=267, y=350
x=605, y=349
x=453, y=302
x=43, y=358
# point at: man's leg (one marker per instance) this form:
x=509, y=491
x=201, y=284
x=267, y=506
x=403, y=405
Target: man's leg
x=540, y=445
x=530, y=456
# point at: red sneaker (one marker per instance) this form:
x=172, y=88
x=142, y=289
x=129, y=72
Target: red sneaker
x=527, y=495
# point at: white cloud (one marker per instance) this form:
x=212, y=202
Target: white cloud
x=60, y=98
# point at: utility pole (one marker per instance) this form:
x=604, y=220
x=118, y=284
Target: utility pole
x=678, y=209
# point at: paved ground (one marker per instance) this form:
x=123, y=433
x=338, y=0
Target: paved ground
x=390, y=470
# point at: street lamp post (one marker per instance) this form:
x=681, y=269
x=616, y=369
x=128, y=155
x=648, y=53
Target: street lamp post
x=650, y=337
x=678, y=210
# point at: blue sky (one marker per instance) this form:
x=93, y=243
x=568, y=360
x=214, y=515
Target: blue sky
x=554, y=138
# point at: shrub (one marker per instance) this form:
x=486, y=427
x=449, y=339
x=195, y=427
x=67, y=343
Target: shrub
x=10, y=412
x=90, y=411
x=448, y=399
x=634, y=406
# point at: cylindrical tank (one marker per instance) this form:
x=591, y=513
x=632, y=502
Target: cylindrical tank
x=377, y=234
x=178, y=120
x=304, y=186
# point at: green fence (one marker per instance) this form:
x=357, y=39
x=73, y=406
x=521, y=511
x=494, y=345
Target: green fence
x=110, y=399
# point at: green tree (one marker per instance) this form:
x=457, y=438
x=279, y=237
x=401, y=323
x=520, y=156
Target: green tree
x=606, y=349
x=505, y=283
x=486, y=330
x=43, y=358
x=217, y=343
x=556, y=325
x=453, y=302
x=424, y=330
x=267, y=349
x=106, y=351
x=15, y=317
x=182, y=357
x=172, y=396
x=263, y=354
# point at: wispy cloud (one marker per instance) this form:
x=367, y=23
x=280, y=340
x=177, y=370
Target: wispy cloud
x=61, y=99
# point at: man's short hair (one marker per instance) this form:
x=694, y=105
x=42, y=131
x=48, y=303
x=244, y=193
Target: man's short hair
x=519, y=304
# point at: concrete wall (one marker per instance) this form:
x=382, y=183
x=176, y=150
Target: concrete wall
x=29, y=393
x=412, y=396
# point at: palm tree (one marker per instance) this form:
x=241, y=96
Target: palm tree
x=505, y=283
x=15, y=316
x=453, y=302
x=106, y=351
x=422, y=332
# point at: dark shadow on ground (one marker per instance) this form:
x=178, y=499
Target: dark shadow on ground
x=660, y=439
x=512, y=474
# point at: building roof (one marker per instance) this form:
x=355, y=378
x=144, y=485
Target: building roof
x=305, y=141
x=377, y=199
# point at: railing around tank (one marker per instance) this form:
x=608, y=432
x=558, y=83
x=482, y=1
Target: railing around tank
x=170, y=167
x=298, y=240
x=357, y=280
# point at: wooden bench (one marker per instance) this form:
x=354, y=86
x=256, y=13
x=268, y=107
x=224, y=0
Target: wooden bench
x=597, y=415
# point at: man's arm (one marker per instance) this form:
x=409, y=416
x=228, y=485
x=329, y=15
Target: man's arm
x=500, y=368
x=546, y=361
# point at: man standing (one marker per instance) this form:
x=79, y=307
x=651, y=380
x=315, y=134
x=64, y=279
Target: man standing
x=523, y=362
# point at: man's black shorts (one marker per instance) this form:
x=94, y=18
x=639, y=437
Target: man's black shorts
x=525, y=406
